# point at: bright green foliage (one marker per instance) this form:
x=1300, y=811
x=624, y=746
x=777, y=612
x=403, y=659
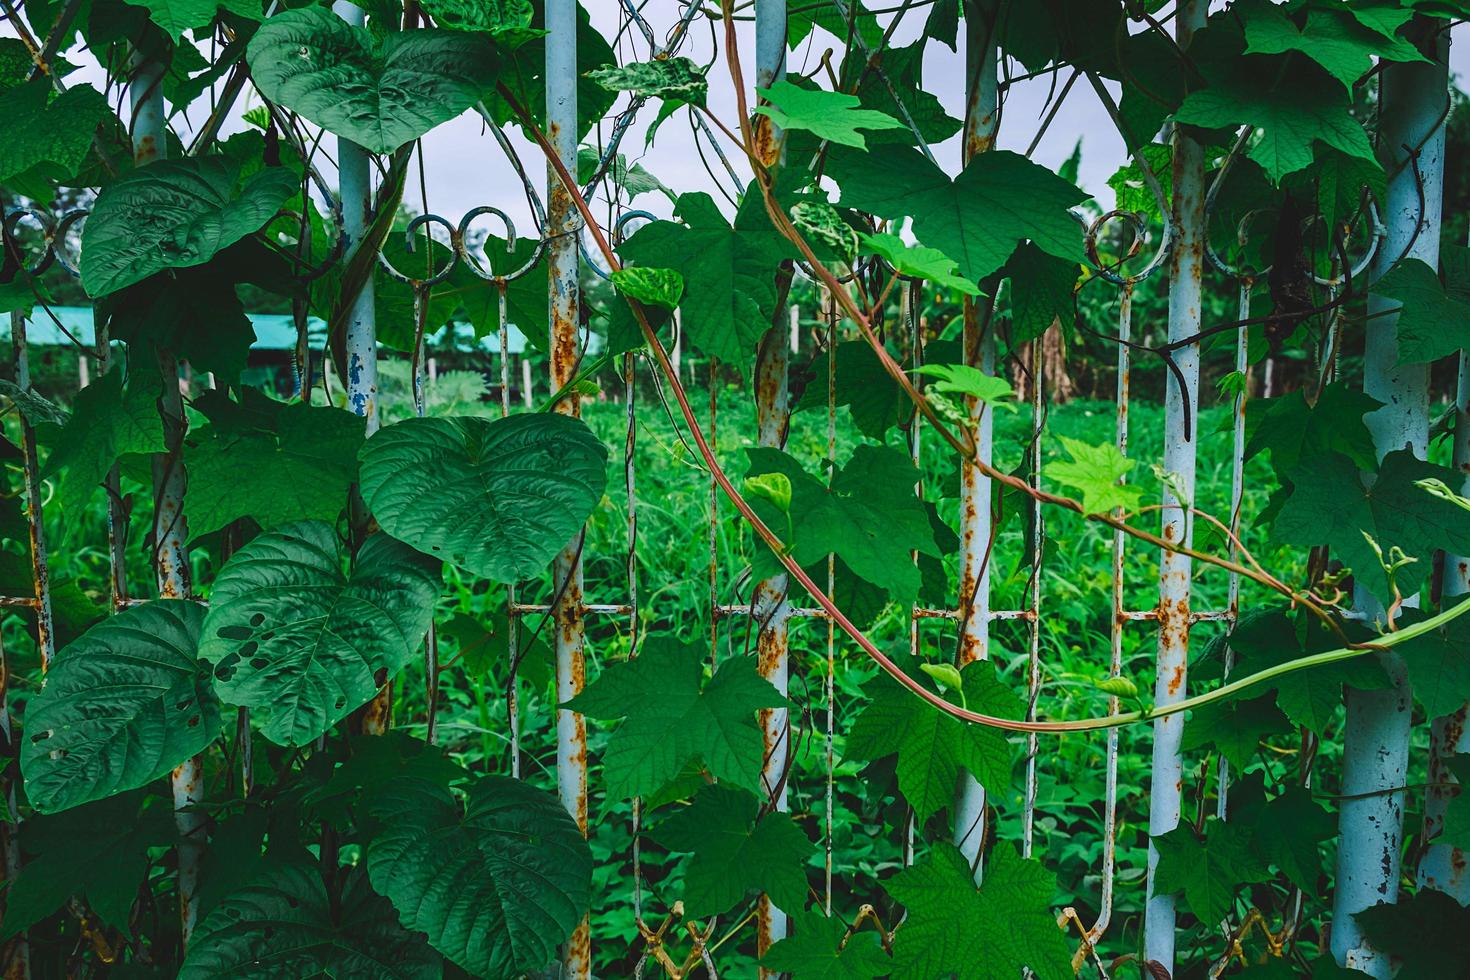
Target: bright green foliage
x=674, y=79
x=816, y=951
x=499, y=498
x=301, y=642
x=496, y=883
x=933, y=747
x=978, y=218
x=1330, y=504
x=175, y=214
x=734, y=266
x=862, y=384
x=380, y=94
x=48, y=130
x=963, y=379
x=122, y=706
x=1336, y=39
x=283, y=924
x=109, y=421
x=1432, y=322
x=484, y=643
x=919, y=262
x=274, y=463
x=823, y=229
x=954, y=929
x=831, y=116
x=175, y=17
x=1130, y=186
x=1208, y=870
x=1095, y=472
x=736, y=851
x=1422, y=931
x=671, y=722
x=656, y=287
x=97, y=852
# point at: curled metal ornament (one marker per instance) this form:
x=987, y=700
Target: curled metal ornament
x=54, y=234
x=619, y=235
x=1093, y=231
x=459, y=250
x=1376, y=234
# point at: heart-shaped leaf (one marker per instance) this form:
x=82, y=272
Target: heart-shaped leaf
x=174, y=214
x=123, y=704
x=292, y=635
x=498, y=498
x=380, y=94
x=496, y=884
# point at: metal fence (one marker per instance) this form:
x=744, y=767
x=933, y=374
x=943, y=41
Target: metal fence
x=1377, y=740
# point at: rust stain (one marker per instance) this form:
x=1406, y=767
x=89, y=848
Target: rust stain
x=376, y=717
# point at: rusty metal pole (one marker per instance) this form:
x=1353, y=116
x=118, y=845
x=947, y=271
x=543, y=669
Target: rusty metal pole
x=1181, y=432
x=170, y=533
x=981, y=118
x=770, y=605
x=1411, y=114
x=563, y=226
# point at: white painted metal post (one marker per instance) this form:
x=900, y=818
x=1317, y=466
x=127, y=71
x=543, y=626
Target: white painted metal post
x=770, y=605
x=981, y=117
x=563, y=224
x=1181, y=431
x=795, y=329
x=1411, y=108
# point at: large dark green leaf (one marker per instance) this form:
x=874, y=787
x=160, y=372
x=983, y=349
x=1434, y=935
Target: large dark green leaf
x=498, y=498
x=496, y=884
x=175, y=214
x=122, y=705
x=305, y=644
x=380, y=94
x=48, y=130
x=284, y=925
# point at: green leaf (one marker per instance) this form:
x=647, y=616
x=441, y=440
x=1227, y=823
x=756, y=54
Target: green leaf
x=861, y=383
x=1432, y=322
x=832, y=116
x=1290, y=832
x=304, y=644
x=735, y=268
x=524, y=76
x=816, y=950
x=498, y=498
x=195, y=312
x=1293, y=430
x=1290, y=110
x=964, y=379
x=174, y=17
x=675, y=79
x=507, y=20
x=1042, y=291
x=1235, y=727
x=290, y=462
x=1439, y=668
x=656, y=287
x=484, y=645
x=1094, y=471
x=1130, y=185
x=956, y=930
x=380, y=94
x=1335, y=39
x=1455, y=830
x=109, y=421
x=1331, y=505
x=1208, y=871
x=978, y=219
x=736, y=851
x=671, y=723
x=49, y=130
x=1423, y=932
x=122, y=706
x=919, y=262
x=496, y=883
x=285, y=925
x=933, y=747
x=175, y=214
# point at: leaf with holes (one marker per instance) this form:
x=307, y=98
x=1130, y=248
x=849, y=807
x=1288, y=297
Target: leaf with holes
x=498, y=498
x=672, y=79
x=304, y=644
x=122, y=706
x=655, y=287
x=175, y=214
x=508, y=21
x=379, y=93
x=497, y=883
x=831, y=116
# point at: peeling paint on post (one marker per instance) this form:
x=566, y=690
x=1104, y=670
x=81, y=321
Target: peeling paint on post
x=975, y=488
x=170, y=533
x=1181, y=430
x=1412, y=103
x=563, y=225
x=45, y=634
x=770, y=606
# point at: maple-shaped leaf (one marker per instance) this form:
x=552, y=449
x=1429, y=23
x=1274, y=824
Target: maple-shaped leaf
x=735, y=268
x=737, y=851
x=1094, y=471
x=1433, y=322
x=1333, y=38
x=832, y=116
x=1330, y=504
x=1291, y=110
x=820, y=948
x=1425, y=932
x=1336, y=181
x=1235, y=727
x=919, y=262
x=1289, y=829
x=861, y=383
x=671, y=721
x=50, y=131
x=1000, y=200
x=933, y=747
x=1438, y=663
x=956, y=930
x=1208, y=869
x=1294, y=429
x=1041, y=291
